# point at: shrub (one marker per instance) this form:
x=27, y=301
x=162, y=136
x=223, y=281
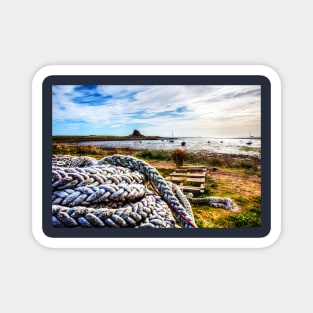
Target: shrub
x=161, y=155
x=217, y=161
x=246, y=164
x=179, y=157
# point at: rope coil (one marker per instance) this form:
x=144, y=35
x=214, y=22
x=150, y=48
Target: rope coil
x=120, y=191
x=113, y=192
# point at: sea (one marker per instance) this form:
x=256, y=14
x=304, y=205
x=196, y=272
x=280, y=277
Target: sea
x=236, y=146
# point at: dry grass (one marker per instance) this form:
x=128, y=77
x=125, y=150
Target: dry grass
x=243, y=188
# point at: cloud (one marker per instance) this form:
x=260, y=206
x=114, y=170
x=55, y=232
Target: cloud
x=157, y=109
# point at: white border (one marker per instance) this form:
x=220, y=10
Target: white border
x=156, y=242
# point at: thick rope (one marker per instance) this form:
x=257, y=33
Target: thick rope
x=217, y=202
x=113, y=192
x=116, y=192
x=150, y=212
x=158, y=182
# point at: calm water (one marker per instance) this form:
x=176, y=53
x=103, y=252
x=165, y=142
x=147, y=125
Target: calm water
x=194, y=144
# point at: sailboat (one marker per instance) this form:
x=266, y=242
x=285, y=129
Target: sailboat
x=249, y=142
x=172, y=138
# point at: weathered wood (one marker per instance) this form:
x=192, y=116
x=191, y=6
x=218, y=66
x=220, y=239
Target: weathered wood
x=194, y=175
x=193, y=168
x=190, y=174
x=192, y=189
x=187, y=179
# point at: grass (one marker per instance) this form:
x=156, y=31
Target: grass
x=254, y=149
x=95, y=151
x=213, y=160
x=235, y=177
x=248, y=219
x=71, y=139
x=164, y=171
x=243, y=189
x=219, y=218
x=157, y=155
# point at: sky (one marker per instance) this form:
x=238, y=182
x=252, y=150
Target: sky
x=157, y=110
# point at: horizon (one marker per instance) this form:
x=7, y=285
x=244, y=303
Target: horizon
x=123, y=136
x=209, y=111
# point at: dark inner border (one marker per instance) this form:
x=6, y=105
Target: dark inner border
x=257, y=232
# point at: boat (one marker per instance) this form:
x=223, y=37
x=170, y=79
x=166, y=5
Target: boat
x=172, y=138
x=249, y=142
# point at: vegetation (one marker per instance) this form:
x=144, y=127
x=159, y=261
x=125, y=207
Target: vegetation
x=97, y=152
x=235, y=177
x=250, y=218
x=149, y=154
x=179, y=157
x=254, y=149
x=136, y=135
x=220, y=218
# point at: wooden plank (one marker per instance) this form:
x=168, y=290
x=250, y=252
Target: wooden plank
x=192, y=189
x=189, y=171
x=180, y=170
x=188, y=179
x=200, y=175
x=193, y=168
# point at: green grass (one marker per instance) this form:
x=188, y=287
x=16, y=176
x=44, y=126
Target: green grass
x=254, y=149
x=87, y=150
x=156, y=155
x=165, y=171
x=247, y=219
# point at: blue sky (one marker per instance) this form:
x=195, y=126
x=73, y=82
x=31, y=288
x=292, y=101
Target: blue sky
x=207, y=111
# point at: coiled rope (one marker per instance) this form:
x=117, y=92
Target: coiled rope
x=114, y=192
x=217, y=202
x=119, y=191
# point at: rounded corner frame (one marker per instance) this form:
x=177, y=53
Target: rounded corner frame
x=260, y=242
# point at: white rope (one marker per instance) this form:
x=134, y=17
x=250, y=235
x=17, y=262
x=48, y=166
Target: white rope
x=114, y=193
x=120, y=191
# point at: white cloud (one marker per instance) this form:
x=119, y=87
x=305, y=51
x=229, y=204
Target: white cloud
x=204, y=108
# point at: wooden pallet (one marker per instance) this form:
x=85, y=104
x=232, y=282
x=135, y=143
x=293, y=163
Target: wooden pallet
x=194, y=190
x=194, y=175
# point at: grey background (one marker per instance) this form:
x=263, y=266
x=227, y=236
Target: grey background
x=39, y=33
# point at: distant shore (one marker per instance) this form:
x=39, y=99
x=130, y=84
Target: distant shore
x=77, y=139
x=72, y=139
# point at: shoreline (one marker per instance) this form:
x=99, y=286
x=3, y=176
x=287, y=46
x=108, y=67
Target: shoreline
x=100, y=152
x=78, y=139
